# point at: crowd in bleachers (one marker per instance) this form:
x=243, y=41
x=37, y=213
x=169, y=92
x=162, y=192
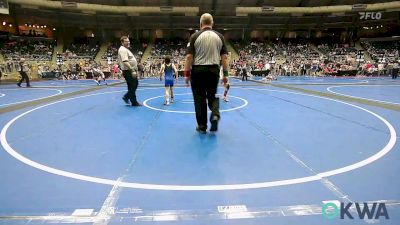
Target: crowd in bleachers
x=27, y=49
x=300, y=58
x=305, y=58
x=281, y=57
x=9, y=67
x=297, y=51
x=78, y=51
x=31, y=67
x=34, y=52
x=174, y=48
x=253, y=55
x=341, y=53
x=297, y=58
x=385, y=52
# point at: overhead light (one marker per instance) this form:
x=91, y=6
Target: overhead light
x=166, y=8
x=54, y=28
x=10, y=25
x=26, y=24
x=266, y=8
x=44, y=26
x=30, y=25
x=4, y=23
x=359, y=7
x=34, y=26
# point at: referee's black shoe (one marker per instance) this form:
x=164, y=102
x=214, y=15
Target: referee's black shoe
x=125, y=100
x=201, y=130
x=214, y=124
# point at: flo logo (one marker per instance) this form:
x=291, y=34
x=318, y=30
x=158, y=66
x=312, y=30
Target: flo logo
x=370, y=15
x=347, y=210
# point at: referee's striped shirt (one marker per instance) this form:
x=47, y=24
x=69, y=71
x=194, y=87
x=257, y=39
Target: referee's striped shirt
x=206, y=46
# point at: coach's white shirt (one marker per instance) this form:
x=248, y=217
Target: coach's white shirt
x=125, y=54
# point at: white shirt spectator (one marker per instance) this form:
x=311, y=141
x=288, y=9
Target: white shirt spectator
x=267, y=66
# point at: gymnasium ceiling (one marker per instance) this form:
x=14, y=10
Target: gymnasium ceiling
x=223, y=11
x=208, y=4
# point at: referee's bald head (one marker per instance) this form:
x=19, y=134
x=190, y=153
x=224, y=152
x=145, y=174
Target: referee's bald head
x=206, y=20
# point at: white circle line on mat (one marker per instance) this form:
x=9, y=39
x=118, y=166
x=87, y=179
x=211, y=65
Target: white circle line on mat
x=352, y=96
x=145, y=103
x=319, y=176
x=13, y=103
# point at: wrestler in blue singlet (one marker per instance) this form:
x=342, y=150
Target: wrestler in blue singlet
x=169, y=75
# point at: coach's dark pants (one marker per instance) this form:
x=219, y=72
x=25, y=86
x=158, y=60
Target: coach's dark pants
x=24, y=77
x=204, y=81
x=132, y=86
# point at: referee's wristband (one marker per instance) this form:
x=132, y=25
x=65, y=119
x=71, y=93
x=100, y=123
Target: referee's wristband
x=226, y=73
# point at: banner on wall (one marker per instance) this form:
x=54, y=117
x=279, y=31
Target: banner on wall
x=4, y=7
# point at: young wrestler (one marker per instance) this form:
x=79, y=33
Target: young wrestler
x=168, y=69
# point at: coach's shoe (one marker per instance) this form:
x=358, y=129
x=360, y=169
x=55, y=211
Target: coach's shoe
x=136, y=104
x=214, y=124
x=19, y=85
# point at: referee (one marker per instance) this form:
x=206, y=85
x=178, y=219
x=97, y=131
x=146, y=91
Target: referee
x=205, y=50
x=23, y=68
x=128, y=65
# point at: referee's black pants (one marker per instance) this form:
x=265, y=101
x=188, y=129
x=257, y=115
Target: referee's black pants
x=395, y=73
x=132, y=86
x=204, y=81
x=244, y=75
x=25, y=77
